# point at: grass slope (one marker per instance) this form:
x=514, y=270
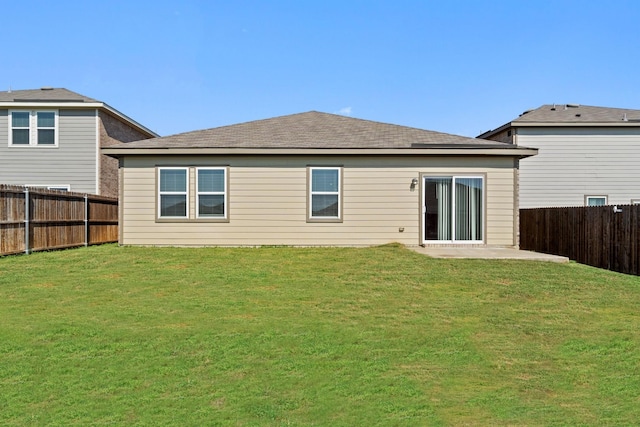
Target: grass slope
x=328, y=336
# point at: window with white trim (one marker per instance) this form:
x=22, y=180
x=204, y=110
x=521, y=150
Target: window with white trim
x=325, y=186
x=173, y=194
x=58, y=187
x=453, y=208
x=33, y=128
x=211, y=193
x=595, y=200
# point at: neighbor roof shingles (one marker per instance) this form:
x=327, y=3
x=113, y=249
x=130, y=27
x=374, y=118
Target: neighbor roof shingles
x=44, y=95
x=309, y=130
x=567, y=113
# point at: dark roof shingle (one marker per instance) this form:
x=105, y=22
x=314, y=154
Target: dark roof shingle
x=44, y=95
x=573, y=113
x=310, y=130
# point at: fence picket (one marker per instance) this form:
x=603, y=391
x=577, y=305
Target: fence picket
x=36, y=219
x=592, y=235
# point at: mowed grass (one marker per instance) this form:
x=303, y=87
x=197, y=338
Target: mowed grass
x=313, y=336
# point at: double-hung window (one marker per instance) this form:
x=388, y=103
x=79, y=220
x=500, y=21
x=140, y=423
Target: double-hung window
x=20, y=128
x=453, y=208
x=212, y=193
x=33, y=128
x=325, y=194
x=173, y=192
x=46, y=127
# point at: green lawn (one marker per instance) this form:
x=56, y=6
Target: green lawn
x=328, y=336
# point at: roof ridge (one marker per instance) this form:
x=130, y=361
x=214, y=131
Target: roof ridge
x=312, y=129
x=46, y=92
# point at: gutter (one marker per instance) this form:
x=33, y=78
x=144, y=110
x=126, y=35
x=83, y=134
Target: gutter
x=576, y=124
x=492, y=132
x=519, y=152
x=124, y=117
x=99, y=105
x=514, y=125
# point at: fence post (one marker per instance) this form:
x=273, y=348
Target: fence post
x=86, y=220
x=27, y=220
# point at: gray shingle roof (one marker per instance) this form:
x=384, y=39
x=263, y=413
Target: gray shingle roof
x=310, y=130
x=573, y=113
x=44, y=95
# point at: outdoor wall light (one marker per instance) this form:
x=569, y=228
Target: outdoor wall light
x=414, y=183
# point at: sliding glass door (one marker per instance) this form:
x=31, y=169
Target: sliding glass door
x=453, y=209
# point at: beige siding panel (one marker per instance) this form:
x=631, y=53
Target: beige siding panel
x=268, y=201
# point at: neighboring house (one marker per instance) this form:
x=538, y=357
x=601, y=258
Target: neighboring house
x=587, y=155
x=52, y=138
x=317, y=179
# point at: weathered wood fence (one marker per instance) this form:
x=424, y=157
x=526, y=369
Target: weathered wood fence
x=600, y=236
x=35, y=219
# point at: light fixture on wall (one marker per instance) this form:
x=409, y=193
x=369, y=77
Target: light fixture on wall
x=414, y=183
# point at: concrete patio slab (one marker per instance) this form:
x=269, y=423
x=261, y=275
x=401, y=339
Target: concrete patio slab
x=487, y=253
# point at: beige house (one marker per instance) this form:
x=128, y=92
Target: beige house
x=318, y=179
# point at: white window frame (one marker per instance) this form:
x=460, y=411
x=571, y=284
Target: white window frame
x=60, y=187
x=483, y=220
x=635, y=201
x=33, y=128
x=161, y=193
x=589, y=197
x=311, y=193
x=212, y=193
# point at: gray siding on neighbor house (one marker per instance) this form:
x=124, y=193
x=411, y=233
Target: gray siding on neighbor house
x=72, y=162
x=575, y=162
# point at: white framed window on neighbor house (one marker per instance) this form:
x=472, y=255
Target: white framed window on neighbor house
x=58, y=187
x=635, y=201
x=173, y=192
x=595, y=200
x=34, y=128
x=211, y=190
x=453, y=209
x=325, y=194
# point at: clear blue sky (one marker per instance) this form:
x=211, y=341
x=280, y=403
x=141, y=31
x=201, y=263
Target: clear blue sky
x=453, y=66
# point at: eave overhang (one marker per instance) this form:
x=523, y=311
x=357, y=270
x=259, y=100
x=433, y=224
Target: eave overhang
x=514, y=125
x=518, y=152
x=78, y=105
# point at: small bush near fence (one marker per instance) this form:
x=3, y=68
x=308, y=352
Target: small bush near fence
x=35, y=219
x=600, y=236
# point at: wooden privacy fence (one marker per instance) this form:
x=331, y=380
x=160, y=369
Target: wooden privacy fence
x=600, y=236
x=35, y=219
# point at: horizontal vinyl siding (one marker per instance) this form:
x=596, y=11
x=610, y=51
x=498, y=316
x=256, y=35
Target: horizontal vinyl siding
x=572, y=163
x=268, y=201
x=72, y=163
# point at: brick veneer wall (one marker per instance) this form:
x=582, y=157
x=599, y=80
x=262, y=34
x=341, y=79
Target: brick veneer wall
x=503, y=137
x=113, y=131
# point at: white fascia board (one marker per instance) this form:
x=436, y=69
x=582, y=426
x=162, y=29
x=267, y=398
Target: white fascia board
x=98, y=105
x=495, y=131
x=128, y=119
x=515, y=125
x=575, y=124
x=50, y=105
